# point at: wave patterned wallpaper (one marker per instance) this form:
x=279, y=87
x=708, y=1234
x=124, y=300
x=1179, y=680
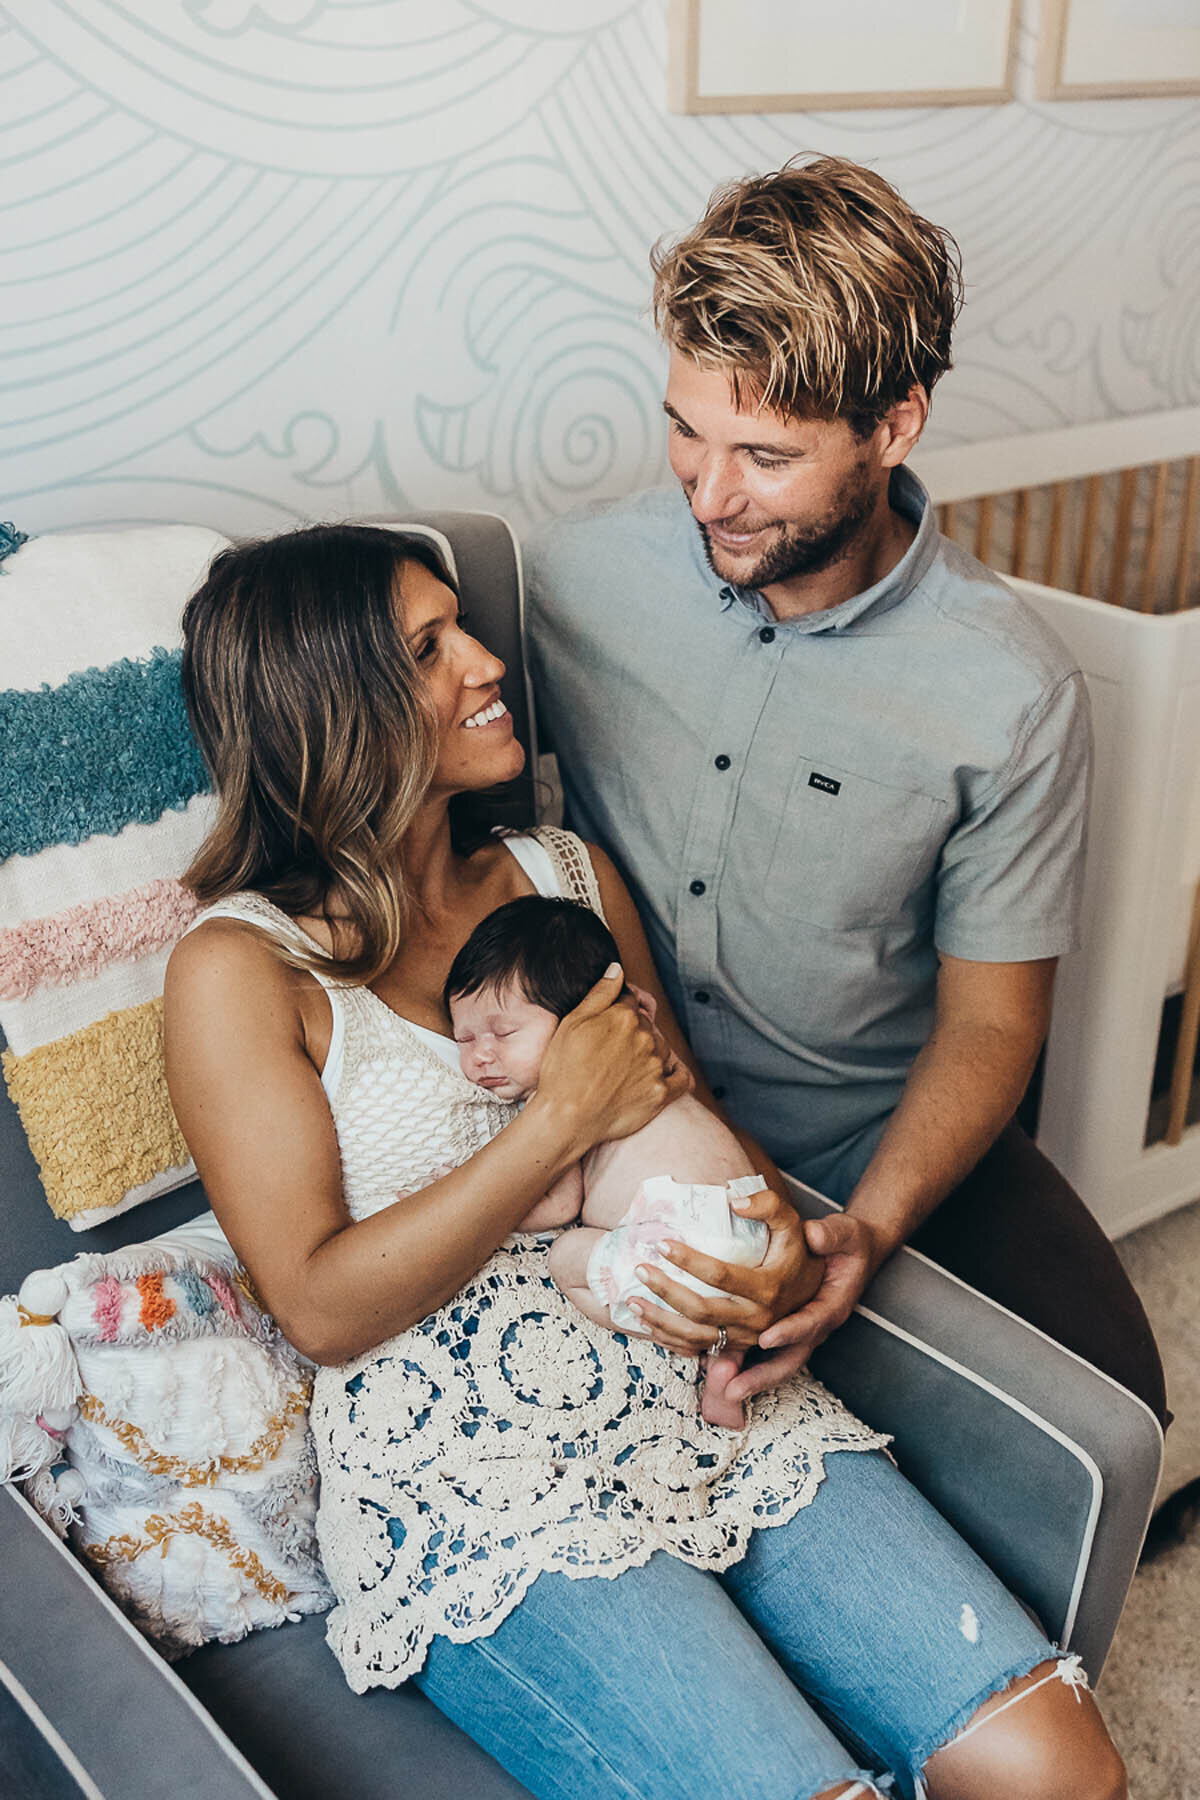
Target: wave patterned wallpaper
x=267, y=259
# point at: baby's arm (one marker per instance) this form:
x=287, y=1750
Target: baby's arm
x=559, y=1204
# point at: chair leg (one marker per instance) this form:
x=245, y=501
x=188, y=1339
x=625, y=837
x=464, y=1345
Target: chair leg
x=1172, y=1521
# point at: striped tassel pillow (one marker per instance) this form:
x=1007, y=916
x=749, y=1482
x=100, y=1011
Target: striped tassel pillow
x=103, y=802
x=181, y=1414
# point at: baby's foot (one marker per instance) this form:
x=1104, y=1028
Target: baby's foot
x=715, y=1405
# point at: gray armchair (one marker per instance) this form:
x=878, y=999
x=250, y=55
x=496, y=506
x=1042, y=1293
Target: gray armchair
x=1047, y=1467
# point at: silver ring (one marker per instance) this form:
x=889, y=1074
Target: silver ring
x=722, y=1340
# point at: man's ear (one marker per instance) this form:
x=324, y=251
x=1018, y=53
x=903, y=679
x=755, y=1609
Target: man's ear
x=903, y=426
x=646, y=1003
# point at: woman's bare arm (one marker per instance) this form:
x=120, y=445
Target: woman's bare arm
x=251, y=1106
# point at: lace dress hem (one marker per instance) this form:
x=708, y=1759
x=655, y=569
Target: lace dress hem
x=507, y=1435
x=377, y=1650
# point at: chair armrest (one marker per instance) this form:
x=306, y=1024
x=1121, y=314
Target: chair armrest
x=117, y=1716
x=1047, y=1467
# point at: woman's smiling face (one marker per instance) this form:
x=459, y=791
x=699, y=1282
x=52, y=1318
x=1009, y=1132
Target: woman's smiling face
x=476, y=745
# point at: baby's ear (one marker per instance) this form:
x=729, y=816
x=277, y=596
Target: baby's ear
x=645, y=1003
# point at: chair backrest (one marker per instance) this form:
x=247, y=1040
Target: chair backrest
x=488, y=567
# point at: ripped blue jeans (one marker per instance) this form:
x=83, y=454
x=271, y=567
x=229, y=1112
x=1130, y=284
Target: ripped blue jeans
x=848, y=1644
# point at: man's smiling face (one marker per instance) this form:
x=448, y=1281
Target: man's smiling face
x=775, y=499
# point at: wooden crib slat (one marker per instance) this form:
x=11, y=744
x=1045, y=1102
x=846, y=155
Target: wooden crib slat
x=1189, y=1033
x=1020, y=530
x=1054, y=542
x=1187, y=529
x=1087, y=535
x=946, y=519
x=1158, y=507
x=984, y=510
x=1126, y=494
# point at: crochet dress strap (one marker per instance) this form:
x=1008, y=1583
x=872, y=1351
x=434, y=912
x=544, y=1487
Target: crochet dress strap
x=572, y=864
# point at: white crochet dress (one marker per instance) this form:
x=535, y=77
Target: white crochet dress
x=506, y=1434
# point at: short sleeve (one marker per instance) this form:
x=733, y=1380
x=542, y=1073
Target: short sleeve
x=1011, y=873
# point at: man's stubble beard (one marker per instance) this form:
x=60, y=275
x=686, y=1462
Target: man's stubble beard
x=807, y=549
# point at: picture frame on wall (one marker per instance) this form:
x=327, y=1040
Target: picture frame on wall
x=1105, y=49
x=731, y=56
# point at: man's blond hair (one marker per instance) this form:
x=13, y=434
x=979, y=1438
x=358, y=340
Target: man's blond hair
x=817, y=289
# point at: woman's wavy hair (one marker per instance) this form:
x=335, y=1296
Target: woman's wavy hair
x=311, y=713
x=817, y=289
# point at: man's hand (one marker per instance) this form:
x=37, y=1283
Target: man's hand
x=850, y=1256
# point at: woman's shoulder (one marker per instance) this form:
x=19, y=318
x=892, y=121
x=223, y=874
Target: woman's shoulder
x=233, y=943
x=222, y=944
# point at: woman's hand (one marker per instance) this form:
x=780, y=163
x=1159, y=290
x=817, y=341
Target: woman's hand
x=844, y=1256
x=607, y=1069
x=751, y=1299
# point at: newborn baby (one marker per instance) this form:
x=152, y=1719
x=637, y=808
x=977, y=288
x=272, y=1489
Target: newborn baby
x=522, y=968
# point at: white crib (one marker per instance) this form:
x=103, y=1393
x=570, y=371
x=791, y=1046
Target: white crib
x=1111, y=509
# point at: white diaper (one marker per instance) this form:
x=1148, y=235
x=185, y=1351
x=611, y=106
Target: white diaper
x=694, y=1213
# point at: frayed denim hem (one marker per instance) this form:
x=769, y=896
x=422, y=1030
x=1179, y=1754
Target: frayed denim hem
x=1067, y=1669
x=864, y=1784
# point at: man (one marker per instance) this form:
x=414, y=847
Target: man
x=843, y=768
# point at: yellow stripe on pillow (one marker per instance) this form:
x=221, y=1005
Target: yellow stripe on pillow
x=96, y=1111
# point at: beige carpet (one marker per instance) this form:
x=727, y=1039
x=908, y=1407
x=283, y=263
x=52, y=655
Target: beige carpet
x=1150, y=1690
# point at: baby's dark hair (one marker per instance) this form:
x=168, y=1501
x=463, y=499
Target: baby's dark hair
x=553, y=950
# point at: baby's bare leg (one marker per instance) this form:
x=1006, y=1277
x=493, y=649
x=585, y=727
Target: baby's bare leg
x=567, y=1264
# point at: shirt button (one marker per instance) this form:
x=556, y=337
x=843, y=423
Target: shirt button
x=718, y=1093
x=697, y=887
x=767, y=635
x=702, y=996
x=721, y=762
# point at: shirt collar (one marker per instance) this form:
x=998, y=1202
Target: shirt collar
x=908, y=496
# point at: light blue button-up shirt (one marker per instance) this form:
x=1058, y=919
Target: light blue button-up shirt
x=808, y=810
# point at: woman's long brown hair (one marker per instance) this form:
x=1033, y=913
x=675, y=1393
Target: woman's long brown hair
x=311, y=714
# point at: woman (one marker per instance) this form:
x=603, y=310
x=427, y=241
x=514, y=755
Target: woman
x=485, y=1451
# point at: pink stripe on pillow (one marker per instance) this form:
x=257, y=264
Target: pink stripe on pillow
x=85, y=939
x=224, y=1293
x=107, y=1307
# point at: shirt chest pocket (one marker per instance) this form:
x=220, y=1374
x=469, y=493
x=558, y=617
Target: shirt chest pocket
x=849, y=849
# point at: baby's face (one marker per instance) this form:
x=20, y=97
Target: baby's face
x=501, y=1039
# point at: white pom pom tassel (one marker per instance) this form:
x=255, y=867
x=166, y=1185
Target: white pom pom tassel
x=56, y=1498
x=72, y=1489
x=39, y=1377
x=24, y=1448
x=69, y=1489
x=38, y=1371
x=40, y=1491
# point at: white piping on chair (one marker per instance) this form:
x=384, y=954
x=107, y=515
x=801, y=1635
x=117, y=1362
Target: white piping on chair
x=1044, y=1335
x=45, y=1729
x=162, y=1668
x=1051, y=1431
